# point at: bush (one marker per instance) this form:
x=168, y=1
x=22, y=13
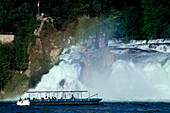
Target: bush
x=16, y=84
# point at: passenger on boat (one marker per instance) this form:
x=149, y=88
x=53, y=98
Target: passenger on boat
x=42, y=99
x=48, y=98
x=72, y=96
x=28, y=98
x=20, y=99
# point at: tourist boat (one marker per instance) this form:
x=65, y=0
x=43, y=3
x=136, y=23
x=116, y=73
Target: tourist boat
x=52, y=98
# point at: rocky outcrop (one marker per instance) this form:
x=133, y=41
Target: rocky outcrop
x=54, y=55
x=34, y=50
x=41, y=58
x=96, y=57
x=42, y=19
x=43, y=53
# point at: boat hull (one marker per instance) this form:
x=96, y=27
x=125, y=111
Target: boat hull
x=65, y=102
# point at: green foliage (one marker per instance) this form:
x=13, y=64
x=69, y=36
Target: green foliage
x=11, y=58
x=132, y=22
x=6, y=61
x=3, y=20
x=88, y=27
x=44, y=70
x=16, y=83
x=115, y=24
x=137, y=17
x=6, y=56
x=20, y=20
x=155, y=18
x=47, y=29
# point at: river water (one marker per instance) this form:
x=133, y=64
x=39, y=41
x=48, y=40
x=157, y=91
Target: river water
x=104, y=107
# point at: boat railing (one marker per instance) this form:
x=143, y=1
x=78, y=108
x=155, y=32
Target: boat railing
x=94, y=95
x=64, y=95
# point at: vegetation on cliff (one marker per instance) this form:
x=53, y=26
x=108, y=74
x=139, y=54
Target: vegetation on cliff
x=28, y=57
x=44, y=53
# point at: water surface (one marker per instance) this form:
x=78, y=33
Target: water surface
x=103, y=107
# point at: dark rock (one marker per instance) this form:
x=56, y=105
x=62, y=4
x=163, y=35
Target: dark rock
x=68, y=51
x=62, y=82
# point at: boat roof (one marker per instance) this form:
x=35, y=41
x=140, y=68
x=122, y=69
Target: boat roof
x=55, y=91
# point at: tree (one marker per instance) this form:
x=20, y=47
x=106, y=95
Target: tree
x=6, y=61
x=155, y=18
x=3, y=20
x=132, y=21
x=115, y=24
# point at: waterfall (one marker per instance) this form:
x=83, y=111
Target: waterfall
x=65, y=75
x=136, y=75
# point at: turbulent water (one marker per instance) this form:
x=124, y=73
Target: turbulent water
x=140, y=72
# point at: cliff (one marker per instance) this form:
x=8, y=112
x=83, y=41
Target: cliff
x=44, y=52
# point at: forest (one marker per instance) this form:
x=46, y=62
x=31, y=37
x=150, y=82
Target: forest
x=139, y=19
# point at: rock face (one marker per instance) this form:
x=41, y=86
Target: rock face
x=38, y=30
x=38, y=53
x=96, y=57
x=54, y=55
x=34, y=50
x=43, y=53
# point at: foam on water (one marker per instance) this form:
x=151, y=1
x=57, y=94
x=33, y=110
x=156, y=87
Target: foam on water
x=159, y=45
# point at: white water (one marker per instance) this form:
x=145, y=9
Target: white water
x=144, y=45
x=68, y=69
x=141, y=78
